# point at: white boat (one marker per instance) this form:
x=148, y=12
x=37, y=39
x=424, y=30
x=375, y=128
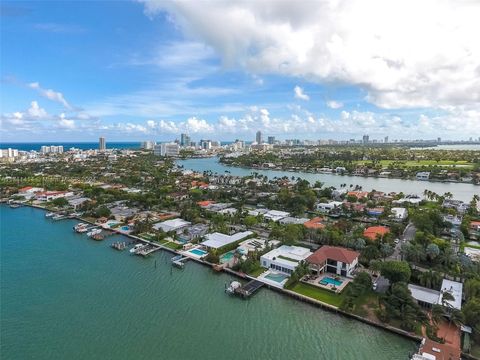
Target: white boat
x=94, y=232
x=136, y=248
x=81, y=227
x=58, y=217
x=232, y=287
x=49, y=214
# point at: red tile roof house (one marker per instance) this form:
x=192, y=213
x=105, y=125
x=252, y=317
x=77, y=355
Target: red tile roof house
x=374, y=232
x=334, y=259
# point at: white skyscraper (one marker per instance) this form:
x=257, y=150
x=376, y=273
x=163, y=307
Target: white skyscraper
x=166, y=149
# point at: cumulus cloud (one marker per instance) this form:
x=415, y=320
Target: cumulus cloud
x=300, y=94
x=51, y=94
x=332, y=104
x=432, y=60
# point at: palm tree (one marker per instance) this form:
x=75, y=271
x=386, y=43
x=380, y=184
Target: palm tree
x=447, y=296
x=438, y=312
x=456, y=317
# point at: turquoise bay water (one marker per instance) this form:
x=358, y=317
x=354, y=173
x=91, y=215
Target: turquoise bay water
x=460, y=191
x=64, y=296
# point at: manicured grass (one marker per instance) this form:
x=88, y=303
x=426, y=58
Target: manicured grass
x=257, y=272
x=316, y=293
x=147, y=236
x=172, y=245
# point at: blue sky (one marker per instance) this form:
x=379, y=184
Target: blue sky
x=131, y=70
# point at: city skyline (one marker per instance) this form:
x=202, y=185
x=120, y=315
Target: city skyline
x=152, y=69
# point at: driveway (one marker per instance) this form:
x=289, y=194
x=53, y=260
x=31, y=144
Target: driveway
x=407, y=236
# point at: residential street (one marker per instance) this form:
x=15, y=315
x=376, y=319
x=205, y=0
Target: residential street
x=406, y=237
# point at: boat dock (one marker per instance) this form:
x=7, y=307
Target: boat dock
x=147, y=250
x=179, y=261
x=249, y=288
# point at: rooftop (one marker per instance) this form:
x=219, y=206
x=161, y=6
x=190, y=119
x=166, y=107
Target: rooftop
x=334, y=253
x=217, y=240
x=373, y=231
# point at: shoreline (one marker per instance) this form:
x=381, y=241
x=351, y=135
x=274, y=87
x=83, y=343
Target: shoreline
x=346, y=175
x=282, y=291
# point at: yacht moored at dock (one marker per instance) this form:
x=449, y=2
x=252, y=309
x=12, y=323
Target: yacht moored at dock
x=136, y=248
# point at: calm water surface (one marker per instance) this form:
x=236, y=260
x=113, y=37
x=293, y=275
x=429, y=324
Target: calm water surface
x=64, y=296
x=460, y=191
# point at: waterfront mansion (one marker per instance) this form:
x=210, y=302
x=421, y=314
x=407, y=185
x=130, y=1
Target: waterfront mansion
x=285, y=258
x=334, y=259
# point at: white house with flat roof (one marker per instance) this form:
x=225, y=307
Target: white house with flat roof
x=455, y=288
x=217, y=240
x=429, y=297
x=399, y=213
x=176, y=225
x=276, y=215
x=327, y=207
x=285, y=259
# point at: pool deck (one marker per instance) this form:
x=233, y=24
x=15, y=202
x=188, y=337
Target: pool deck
x=192, y=255
x=263, y=277
x=316, y=279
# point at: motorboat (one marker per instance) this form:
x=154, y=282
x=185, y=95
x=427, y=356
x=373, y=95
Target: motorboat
x=136, y=247
x=232, y=287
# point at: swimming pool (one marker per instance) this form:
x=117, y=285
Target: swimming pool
x=226, y=257
x=328, y=280
x=125, y=228
x=276, y=277
x=198, y=252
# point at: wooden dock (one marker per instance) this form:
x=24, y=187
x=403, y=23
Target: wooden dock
x=249, y=289
x=179, y=261
x=147, y=250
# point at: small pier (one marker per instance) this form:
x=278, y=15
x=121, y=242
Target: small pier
x=119, y=245
x=249, y=288
x=179, y=261
x=147, y=250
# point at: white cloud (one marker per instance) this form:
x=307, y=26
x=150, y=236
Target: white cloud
x=51, y=94
x=65, y=123
x=332, y=104
x=404, y=53
x=300, y=94
x=35, y=111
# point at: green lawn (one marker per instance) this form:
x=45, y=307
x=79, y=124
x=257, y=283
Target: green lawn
x=172, y=245
x=257, y=272
x=316, y=293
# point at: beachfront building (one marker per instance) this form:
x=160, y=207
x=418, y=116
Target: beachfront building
x=176, y=225
x=285, y=258
x=77, y=202
x=52, y=195
x=29, y=191
x=334, y=259
x=218, y=240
